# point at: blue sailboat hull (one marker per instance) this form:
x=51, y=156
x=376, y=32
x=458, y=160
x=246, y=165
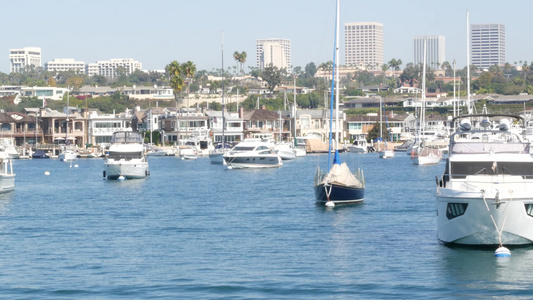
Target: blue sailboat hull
x=339, y=194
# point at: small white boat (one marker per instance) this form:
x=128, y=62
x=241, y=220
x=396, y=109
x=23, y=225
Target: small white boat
x=359, y=145
x=252, y=153
x=7, y=177
x=285, y=151
x=126, y=159
x=156, y=152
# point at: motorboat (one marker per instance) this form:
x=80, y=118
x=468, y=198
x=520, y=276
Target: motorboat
x=252, y=153
x=359, y=145
x=426, y=155
x=7, y=177
x=7, y=145
x=156, y=151
x=39, y=154
x=285, y=151
x=126, y=158
x=485, y=195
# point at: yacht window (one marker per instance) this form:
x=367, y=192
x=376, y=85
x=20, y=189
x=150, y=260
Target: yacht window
x=529, y=209
x=462, y=169
x=124, y=155
x=454, y=210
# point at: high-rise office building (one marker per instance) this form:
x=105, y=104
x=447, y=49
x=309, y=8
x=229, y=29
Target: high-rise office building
x=274, y=51
x=20, y=58
x=363, y=45
x=435, y=50
x=487, y=45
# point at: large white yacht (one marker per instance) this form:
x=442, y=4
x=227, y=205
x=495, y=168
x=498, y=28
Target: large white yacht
x=485, y=196
x=7, y=177
x=252, y=153
x=126, y=159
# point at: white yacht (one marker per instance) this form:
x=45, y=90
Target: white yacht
x=126, y=159
x=252, y=153
x=7, y=177
x=485, y=196
x=69, y=152
x=359, y=145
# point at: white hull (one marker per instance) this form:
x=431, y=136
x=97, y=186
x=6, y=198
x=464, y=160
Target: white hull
x=386, y=154
x=427, y=160
x=68, y=156
x=476, y=225
x=127, y=169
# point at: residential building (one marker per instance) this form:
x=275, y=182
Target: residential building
x=260, y=121
x=363, y=42
x=233, y=126
x=65, y=64
x=21, y=58
x=54, y=125
x=274, y=51
x=102, y=126
x=114, y=67
x=435, y=50
x=487, y=45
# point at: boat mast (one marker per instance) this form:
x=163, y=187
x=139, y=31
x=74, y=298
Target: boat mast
x=68, y=110
x=337, y=136
x=423, y=112
x=468, y=104
x=332, y=88
x=223, y=100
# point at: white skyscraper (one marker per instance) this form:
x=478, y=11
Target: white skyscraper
x=274, y=51
x=363, y=44
x=435, y=50
x=20, y=58
x=487, y=45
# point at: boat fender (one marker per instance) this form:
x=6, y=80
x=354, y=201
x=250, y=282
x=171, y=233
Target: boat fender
x=502, y=252
x=104, y=174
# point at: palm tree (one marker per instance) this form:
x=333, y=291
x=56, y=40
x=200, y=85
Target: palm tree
x=188, y=69
x=174, y=73
x=240, y=58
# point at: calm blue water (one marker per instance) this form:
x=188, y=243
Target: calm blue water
x=198, y=231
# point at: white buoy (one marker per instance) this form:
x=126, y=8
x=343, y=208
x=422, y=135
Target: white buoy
x=75, y=166
x=121, y=178
x=502, y=252
x=230, y=167
x=330, y=204
x=183, y=157
x=46, y=173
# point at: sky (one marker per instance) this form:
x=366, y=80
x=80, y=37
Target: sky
x=157, y=32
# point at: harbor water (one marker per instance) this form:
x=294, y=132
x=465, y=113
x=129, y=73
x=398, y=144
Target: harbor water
x=194, y=230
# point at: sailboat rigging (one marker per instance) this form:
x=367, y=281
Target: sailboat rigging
x=339, y=185
x=216, y=156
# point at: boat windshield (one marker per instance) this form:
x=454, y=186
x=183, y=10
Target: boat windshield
x=126, y=137
x=125, y=155
x=463, y=169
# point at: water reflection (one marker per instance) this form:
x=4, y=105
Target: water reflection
x=476, y=271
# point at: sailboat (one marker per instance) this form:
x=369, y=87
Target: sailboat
x=339, y=185
x=387, y=151
x=68, y=149
x=421, y=153
x=216, y=156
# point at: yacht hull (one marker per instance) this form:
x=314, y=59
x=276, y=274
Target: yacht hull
x=133, y=170
x=251, y=161
x=476, y=218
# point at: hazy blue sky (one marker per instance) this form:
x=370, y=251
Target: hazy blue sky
x=157, y=32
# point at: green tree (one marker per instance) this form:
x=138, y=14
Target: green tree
x=272, y=76
x=310, y=70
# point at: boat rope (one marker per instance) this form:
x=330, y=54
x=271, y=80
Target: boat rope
x=497, y=200
x=326, y=189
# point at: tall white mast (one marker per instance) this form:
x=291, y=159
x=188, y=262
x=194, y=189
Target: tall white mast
x=337, y=136
x=468, y=104
x=423, y=110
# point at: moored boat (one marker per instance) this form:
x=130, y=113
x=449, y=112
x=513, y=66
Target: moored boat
x=252, y=153
x=7, y=177
x=126, y=159
x=485, y=195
